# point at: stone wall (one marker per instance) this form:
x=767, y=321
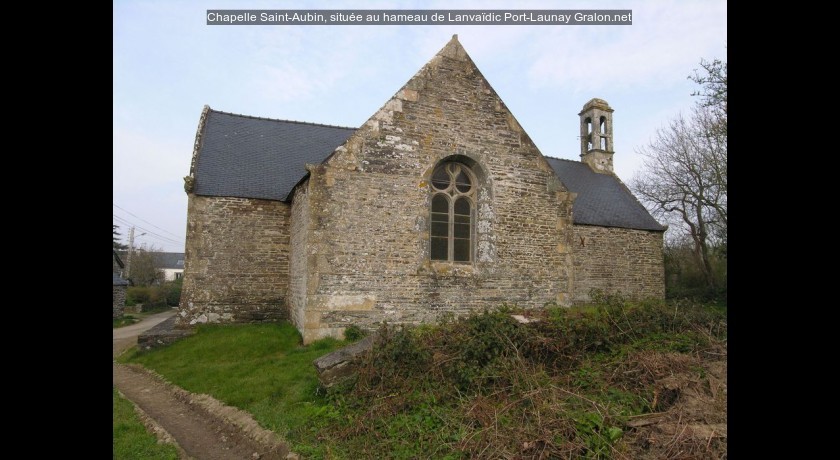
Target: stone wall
x=119, y=300
x=368, y=206
x=299, y=255
x=618, y=260
x=237, y=260
x=162, y=334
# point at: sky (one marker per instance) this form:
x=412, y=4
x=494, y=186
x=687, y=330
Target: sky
x=168, y=64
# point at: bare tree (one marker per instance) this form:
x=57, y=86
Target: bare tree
x=713, y=84
x=684, y=177
x=145, y=268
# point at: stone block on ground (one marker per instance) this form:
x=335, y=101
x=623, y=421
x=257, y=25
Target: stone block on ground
x=340, y=364
x=162, y=334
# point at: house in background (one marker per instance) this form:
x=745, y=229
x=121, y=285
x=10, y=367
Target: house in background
x=120, y=286
x=172, y=264
x=438, y=204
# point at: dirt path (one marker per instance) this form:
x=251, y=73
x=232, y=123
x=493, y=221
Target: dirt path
x=200, y=426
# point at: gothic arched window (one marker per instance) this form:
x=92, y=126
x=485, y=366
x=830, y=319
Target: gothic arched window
x=453, y=213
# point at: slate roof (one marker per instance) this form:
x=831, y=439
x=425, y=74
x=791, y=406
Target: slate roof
x=170, y=259
x=163, y=259
x=248, y=157
x=602, y=199
x=118, y=281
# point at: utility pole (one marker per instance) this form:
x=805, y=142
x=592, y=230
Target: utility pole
x=130, y=252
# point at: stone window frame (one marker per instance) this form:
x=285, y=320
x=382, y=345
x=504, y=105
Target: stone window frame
x=453, y=193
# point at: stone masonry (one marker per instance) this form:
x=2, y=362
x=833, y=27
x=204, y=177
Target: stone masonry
x=301, y=254
x=237, y=261
x=119, y=300
x=351, y=245
x=618, y=260
x=366, y=235
x=120, y=286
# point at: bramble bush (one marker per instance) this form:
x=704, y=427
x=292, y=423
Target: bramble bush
x=489, y=382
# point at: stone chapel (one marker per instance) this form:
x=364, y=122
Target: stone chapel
x=439, y=202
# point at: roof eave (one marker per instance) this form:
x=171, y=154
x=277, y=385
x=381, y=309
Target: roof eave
x=662, y=229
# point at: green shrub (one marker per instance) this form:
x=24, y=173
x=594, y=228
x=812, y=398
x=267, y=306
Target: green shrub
x=125, y=320
x=137, y=294
x=157, y=297
x=154, y=297
x=479, y=386
x=173, y=292
x=354, y=333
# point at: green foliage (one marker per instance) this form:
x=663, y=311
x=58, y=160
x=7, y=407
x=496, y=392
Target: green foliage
x=597, y=436
x=131, y=439
x=685, y=280
x=354, y=333
x=125, y=320
x=478, y=386
x=173, y=292
x=137, y=294
x=259, y=368
x=117, y=245
x=487, y=370
x=681, y=342
x=486, y=339
x=157, y=297
x=402, y=346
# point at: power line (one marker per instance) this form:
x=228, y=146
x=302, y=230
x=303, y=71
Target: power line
x=163, y=238
x=120, y=220
x=160, y=241
x=149, y=232
x=146, y=221
x=132, y=224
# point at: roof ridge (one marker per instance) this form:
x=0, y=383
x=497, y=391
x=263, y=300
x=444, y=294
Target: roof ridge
x=563, y=159
x=278, y=119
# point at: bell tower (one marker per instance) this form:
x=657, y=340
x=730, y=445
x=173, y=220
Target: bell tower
x=596, y=136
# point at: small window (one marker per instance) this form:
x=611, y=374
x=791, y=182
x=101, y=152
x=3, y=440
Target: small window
x=178, y=275
x=452, y=213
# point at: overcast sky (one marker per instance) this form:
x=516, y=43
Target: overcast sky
x=168, y=64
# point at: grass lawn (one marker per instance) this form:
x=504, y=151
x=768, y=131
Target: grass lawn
x=132, y=440
x=259, y=368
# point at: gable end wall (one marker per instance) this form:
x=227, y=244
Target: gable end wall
x=368, y=208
